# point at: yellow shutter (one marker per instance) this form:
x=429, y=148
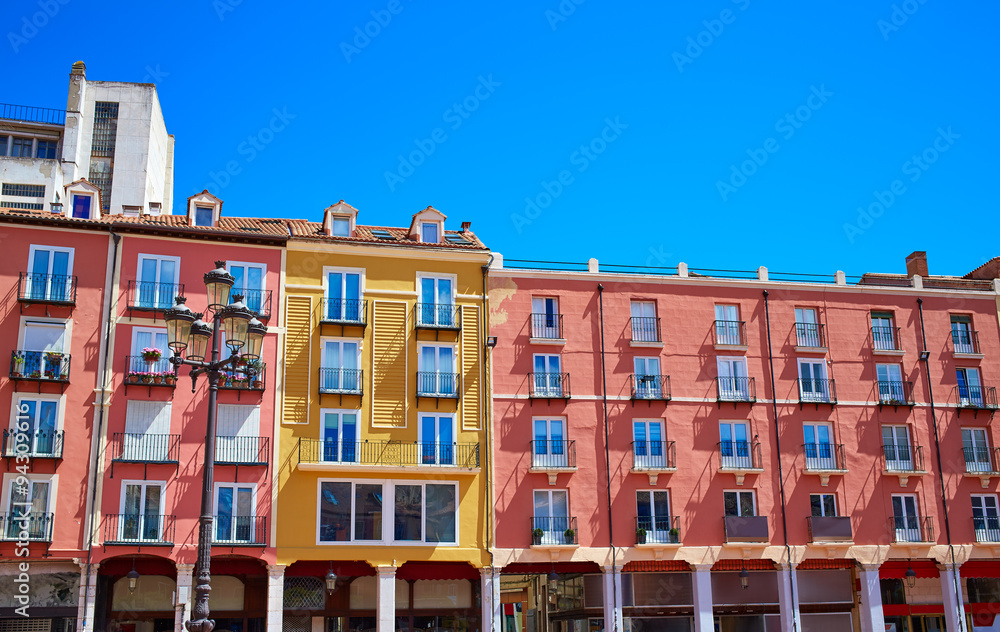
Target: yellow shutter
x=389, y=378
x=298, y=344
x=471, y=369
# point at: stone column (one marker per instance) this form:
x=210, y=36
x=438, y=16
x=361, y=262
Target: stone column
x=385, y=599
x=491, y=606
x=871, y=600
x=182, y=607
x=954, y=609
x=275, y=597
x=85, y=611
x=612, y=599
x=788, y=598
x=701, y=583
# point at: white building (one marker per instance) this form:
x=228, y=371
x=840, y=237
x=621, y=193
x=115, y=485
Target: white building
x=108, y=152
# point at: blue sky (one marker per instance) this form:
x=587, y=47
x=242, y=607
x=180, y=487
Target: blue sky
x=723, y=133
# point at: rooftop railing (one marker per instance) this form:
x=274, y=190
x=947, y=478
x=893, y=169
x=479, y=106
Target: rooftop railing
x=32, y=114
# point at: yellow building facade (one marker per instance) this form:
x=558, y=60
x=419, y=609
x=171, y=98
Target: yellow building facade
x=382, y=475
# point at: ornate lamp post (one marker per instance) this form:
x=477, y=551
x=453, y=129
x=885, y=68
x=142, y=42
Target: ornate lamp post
x=188, y=335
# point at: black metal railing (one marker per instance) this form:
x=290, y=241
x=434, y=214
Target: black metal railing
x=241, y=381
x=903, y=457
x=553, y=454
x=736, y=389
x=438, y=316
x=813, y=390
x=646, y=329
x=547, y=326
x=231, y=450
x=34, y=287
x=45, y=444
x=257, y=301
x=548, y=385
x=158, y=372
x=976, y=397
x=345, y=311
x=437, y=384
x=824, y=456
x=29, y=526
x=965, y=341
x=389, y=453
x=986, y=528
x=39, y=365
x=152, y=296
x=654, y=455
x=739, y=455
x=130, y=447
x=343, y=381
x=657, y=530
x=729, y=333
x=895, y=393
x=911, y=529
x=981, y=459
x=139, y=529
x=32, y=114
x=227, y=529
x=811, y=335
x=553, y=530
x=886, y=338
x=649, y=387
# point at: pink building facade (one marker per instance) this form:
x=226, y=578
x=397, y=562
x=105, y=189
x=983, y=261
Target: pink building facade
x=650, y=472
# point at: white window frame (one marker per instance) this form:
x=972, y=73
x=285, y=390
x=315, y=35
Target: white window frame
x=819, y=461
x=820, y=392
x=323, y=359
x=438, y=226
x=549, y=459
x=442, y=449
x=95, y=203
x=653, y=534
x=836, y=512
x=8, y=481
x=753, y=497
x=334, y=218
x=437, y=368
x=327, y=270
x=917, y=515
x=650, y=460
x=803, y=336
x=250, y=264
x=887, y=396
x=736, y=460
x=144, y=255
x=253, y=514
x=976, y=464
x=541, y=331
x=902, y=464
x=553, y=536
x=161, y=512
x=641, y=334
x=323, y=412
x=32, y=249
x=737, y=390
x=437, y=275
x=990, y=529
x=973, y=397
x=15, y=403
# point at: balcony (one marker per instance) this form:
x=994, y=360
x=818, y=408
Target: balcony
x=35, y=525
x=810, y=338
x=730, y=335
x=885, y=341
x=138, y=530
x=39, y=366
x=46, y=289
x=548, y=385
x=903, y=461
x=981, y=462
x=239, y=530
x=552, y=457
x=654, y=458
x=657, y=531
x=740, y=458
x=438, y=316
x=825, y=529
x=438, y=385
x=825, y=460
x=159, y=373
x=911, y=529
x=547, y=329
x=257, y=301
x=344, y=312
x=239, y=381
x=341, y=382
x=735, y=389
x=147, y=296
x=31, y=114
x=965, y=344
x=387, y=456
x=649, y=388
x=237, y=451
x=987, y=529
x=557, y=531
x=645, y=332
x=816, y=391
x=893, y=393
x=752, y=529
x=37, y=444
x=128, y=447
x=976, y=398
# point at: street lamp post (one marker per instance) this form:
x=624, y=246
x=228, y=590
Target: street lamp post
x=188, y=334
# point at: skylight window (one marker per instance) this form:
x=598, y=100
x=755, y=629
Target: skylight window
x=383, y=234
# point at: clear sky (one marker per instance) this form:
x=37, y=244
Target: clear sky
x=722, y=133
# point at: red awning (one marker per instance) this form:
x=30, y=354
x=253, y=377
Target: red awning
x=738, y=565
x=896, y=569
x=437, y=570
x=656, y=566
x=981, y=568
x=542, y=568
x=820, y=564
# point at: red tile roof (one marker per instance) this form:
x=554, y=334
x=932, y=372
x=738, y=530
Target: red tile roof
x=306, y=230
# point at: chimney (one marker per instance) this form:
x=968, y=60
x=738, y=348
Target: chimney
x=79, y=68
x=466, y=226
x=916, y=264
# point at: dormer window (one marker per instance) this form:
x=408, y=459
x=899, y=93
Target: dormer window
x=154, y=208
x=341, y=226
x=429, y=232
x=131, y=211
x=339, y=219
x=427, y=226
x=84, y=200
x=204, y=209
x=203, y=215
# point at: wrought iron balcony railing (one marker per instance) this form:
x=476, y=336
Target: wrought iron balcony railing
x=389, y=453
x=646, y=329
x=30, y=526
x=736, y=389
x=981, y=459
x=824, y=457
x=344, y=311
x=810, y=335
x=976, y=397
x=649, y=387
x=886, y=338
x=903, y=457
x=37, y=444
x=657, y=530
x=240, y=381
x=47, y=366
x=156, y=373
x=894, y=393
x=553, y=454
x=341, y=381
x=437, y=384
x=32, y=114
x=547, y=326
x=654, y=455
x=258, y=301
x=55, y=289
x=740, y=455
x=553, y=530
x=729, y=333
x=817, y=391
x=231, y=450
x=152, y=296
x=239, y=530
x=548, y=385
x=130, y=447
x=438, y=316
x=138, y=529
x=911, y=529
x=965, y=341
x=986, y=528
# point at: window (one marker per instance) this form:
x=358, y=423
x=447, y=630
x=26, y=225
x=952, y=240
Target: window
x=545, y=318
x=970, y=391
x=976, y=449
x=429, y=232
x=234, y=513
x=883, y=331
x=549, y=446
x=250, y=283
x=434, y=504
x=551, y=514
x=818, y=445
x=823, y=505
x=341, y=226
x=204, y=216
x=131, y=211
x=807, y=327
x=961, y=333
x=46, y=149
x=813, y=385
x=653, y=515
x=350, y=511
x=905, y=518
x=23, y=190
x=150, y=338
x=437, y=439
x=81, y=206
x=734, y=445
x=141, y=517
x=237, y=434
x=890, y=383
x=51, y=273
x=33, y=428
x=897, y=449
x=21, y=147
x=147, y=432
x=647, y=447
x=339, y=362
x=985, y=517
x=157, y=284
x=155, y=207
x=733, y=381
x=340, y=435
x=343, y=296
x=548, y=377
x=436, y=371
x=418, y=513
x=29, y=507
x=647, y=378
x=727, y=325
x=43, y=345
x=437, y=302
x=740, y=503
x=644, y=322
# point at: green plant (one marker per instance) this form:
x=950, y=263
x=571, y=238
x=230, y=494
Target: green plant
x=537, y=532
x=18, y=359
x=674, y=532
x=570, y=535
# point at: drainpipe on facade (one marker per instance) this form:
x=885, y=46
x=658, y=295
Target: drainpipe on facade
x=925, y=359
x=777, y=441
x=487, y=453
x=109, y=318
x=607, y=467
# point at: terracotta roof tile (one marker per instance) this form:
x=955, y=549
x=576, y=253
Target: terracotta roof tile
x=302, y=229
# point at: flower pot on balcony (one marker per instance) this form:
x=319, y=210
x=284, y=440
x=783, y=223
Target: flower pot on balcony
x=36, y=374
x=15, y=374
x=50, y=375
x=147, y=379
x=157, y=379
x=170, y=379
x=674, y=536
x=536, y=536
x=640, y=536
x=257, y=384
x=570, y=536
